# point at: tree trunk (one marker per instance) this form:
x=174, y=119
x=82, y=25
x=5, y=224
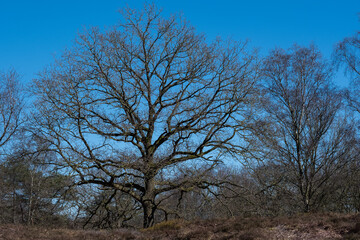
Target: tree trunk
x=148, y=202
x=306, y=198
x=29, y=218
x=149, y=209
x=306, y=206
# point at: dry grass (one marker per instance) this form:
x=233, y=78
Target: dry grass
x=18, y=232
x=304, y=226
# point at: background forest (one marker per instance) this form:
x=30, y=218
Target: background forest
x=150, y=121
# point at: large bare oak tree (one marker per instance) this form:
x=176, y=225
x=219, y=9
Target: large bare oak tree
x=146, y=108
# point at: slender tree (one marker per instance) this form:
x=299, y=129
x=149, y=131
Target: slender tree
x=301, y=129
x=347, y=55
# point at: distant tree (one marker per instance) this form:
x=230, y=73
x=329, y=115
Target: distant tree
x=301, y=128
x=137, y=106
x=11, y=105
x=109, y=208
x=31, y=192
x=196, y=202
x=347, y=54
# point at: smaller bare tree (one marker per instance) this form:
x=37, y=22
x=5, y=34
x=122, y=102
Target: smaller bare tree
x=304, y=130
x=11, y=105
x=347, y=54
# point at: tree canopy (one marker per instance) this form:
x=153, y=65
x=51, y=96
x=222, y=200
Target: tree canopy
x=145, y=107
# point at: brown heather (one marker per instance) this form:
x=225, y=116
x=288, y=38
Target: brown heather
x=304, y=226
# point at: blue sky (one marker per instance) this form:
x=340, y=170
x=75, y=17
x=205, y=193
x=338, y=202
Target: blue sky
x=33, y=32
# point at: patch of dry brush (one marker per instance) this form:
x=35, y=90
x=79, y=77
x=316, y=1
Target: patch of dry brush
x=307, y=226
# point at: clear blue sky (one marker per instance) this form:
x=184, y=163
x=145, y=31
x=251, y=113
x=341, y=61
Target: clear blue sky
x=33, y=31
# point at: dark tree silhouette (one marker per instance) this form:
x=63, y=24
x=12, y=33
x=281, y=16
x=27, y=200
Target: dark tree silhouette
x=145, y=108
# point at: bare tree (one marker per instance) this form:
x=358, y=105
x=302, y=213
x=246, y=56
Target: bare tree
x=347, y=54
x=11, y=104
x=109, y=209
x=301, y=129
x=149, y=100
x=31, y=191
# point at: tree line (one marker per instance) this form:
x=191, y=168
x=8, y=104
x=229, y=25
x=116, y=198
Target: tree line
x=150, y=121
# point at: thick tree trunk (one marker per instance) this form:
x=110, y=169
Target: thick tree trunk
x=149, y=210
x=148, y=202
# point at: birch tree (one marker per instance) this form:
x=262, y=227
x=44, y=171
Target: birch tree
x=301, y=128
